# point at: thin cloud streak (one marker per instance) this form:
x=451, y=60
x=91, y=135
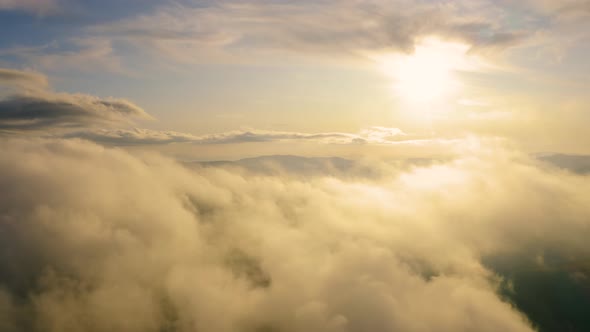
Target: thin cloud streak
x=22, y=78
x=38, y=7
x=137, y=136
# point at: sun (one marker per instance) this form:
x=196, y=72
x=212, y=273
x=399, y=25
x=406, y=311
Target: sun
x=428, y=73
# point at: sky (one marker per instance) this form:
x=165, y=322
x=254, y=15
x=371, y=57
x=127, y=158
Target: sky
x=438, y=69
x=271, y=165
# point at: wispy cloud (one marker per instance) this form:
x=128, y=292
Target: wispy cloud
x=80, y=54
x=38, y=7
x=326, y=27
x=12, y=76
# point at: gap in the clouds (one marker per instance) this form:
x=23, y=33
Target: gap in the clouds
x=552, y=290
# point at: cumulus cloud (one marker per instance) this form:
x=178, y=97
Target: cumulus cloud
x=97, y=239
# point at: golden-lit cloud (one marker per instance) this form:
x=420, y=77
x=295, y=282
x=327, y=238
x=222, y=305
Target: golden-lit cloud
x=97, y=239
x=231, y=30
x=331, y=166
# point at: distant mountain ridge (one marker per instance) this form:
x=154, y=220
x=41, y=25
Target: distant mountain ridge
x=273, y=164
x=310, y=166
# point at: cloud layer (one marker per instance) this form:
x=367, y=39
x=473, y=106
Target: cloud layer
x=204, y=31
x=97, y=239
x=190, y=32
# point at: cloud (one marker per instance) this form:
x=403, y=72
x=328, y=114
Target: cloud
x=41, y=112
x=138, y=136
x=22, y=78
x=22, y=112
x=81, y=54
x=245, y=136
x=230, y=30
x=383, y=134
x=561, y=9
x=104, y=120
x=34, y=107
x=135, y=136
x=97, y=239
x=38, y=7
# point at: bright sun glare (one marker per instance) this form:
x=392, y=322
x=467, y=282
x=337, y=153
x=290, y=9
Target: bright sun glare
x=427, y=74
